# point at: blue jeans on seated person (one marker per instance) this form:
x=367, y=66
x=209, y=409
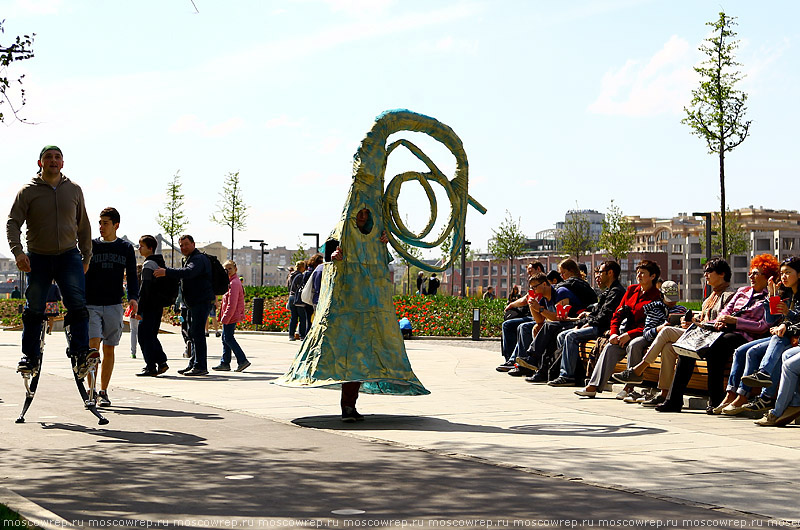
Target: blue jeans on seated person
x=523, y=340
x=740, y=363
x=787, y=390
x=509, y=335
x=67, y=271
x=569, y=342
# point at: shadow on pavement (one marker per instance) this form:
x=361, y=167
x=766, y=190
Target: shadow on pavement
x=165, y=413
x=155, y=437
x=423, y=423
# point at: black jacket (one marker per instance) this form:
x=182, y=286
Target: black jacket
x=580, y=288
x=195, y=279
x=607, y=303
x=148, y=297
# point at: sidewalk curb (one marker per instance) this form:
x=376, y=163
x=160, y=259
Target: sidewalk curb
x=32, y=512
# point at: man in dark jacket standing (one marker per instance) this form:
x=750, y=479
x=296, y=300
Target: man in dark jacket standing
x=59, y=241
x=590, y=324
x=198, y=294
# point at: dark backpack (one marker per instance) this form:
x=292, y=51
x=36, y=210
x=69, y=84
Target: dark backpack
x=166, y=291
x=219, y=277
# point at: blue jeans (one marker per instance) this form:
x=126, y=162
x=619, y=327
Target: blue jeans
x=771, y=363
x=756, y=348
x=229, y=344
x=67, y=271
x=523, y=341
x=198, y=315
x=790, y=372
x=569, y=342
x=295, y=316
x=509, y=335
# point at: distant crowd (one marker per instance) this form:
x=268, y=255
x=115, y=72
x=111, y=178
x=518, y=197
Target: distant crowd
x=754, y=329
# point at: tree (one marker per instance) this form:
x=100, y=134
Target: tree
x=737, y=236
x=231, y=208
x=20, y=50
x=300, y=253
x=717, y=109
x=618, y=235
x=575, y=237
x=508, y=243
x=173, y=219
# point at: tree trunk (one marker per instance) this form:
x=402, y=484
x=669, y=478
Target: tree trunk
x=231, y=258
x=722, y=198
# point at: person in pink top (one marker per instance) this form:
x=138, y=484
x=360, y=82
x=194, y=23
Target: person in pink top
x=231, y=313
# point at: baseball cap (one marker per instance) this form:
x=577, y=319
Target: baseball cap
x=49, y=148
x=671, y=291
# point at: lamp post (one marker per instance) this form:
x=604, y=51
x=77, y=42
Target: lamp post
x=463, y=267
x=316, y=238
x=262, y=244
x=707, y=216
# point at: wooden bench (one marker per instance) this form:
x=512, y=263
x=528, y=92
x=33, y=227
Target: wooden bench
x=698, y=382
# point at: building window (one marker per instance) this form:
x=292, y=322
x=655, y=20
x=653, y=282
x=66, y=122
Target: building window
x=740, y=261
x=504, y=270
x=486, y=283
x=677, y=264
x=467, y=271
x=677, y=249
x=739, y=277
x=695, y=248
x=677, y=278
x=494, y=270
x=787, y=243
x=762, y=244
x=503, y=283
x=486, y=271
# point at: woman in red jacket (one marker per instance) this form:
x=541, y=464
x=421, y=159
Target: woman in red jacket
x=231, y=313
x=630, y=312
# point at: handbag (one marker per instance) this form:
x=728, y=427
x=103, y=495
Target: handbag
x=696, y=341
x=307, y=296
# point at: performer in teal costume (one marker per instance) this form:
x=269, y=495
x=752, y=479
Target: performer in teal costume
x=355, y=341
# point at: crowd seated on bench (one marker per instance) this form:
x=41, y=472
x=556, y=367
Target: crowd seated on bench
x=758, y=327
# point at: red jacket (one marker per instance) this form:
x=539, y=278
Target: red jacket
x=633, y=303
x=232, y=309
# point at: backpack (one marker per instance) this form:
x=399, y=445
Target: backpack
x=166, y=291
x=219, y=277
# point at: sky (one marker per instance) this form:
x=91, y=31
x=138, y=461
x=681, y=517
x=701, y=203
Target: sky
x=559, y=105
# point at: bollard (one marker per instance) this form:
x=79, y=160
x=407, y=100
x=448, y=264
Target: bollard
x=476, y=323
x=258, y=311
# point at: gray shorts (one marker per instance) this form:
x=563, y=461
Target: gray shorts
x=105, y=323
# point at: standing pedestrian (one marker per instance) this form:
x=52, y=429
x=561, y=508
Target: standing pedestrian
x=231, y=313
x=112, y=259
x=198, y=294
x=155, y=295
x=52, y=208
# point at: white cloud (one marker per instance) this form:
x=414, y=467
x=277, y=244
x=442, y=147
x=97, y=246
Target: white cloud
x=660, y=85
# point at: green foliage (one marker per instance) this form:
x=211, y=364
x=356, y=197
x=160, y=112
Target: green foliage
x=737, y=236
x=264, y=291
x=20, y=50
x=172, y=220
x=300, y=254
x=716, y=112
x=508, y=242
x=575, y=237
x=10, y=315
x=618, y=234
x=231, y=208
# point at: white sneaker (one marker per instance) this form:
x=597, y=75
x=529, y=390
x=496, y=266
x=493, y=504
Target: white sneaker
x=622, y=394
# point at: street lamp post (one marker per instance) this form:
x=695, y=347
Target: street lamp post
x=316, y=237
x=463, y=266
x=262, y=244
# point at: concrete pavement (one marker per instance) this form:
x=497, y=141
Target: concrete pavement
x=483, y=444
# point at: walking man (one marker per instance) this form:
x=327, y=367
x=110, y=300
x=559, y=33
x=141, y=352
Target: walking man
x=112, y=259
x=59, y=242
x=198, y=294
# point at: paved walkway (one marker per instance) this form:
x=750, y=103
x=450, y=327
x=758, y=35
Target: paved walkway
x=481, y=445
